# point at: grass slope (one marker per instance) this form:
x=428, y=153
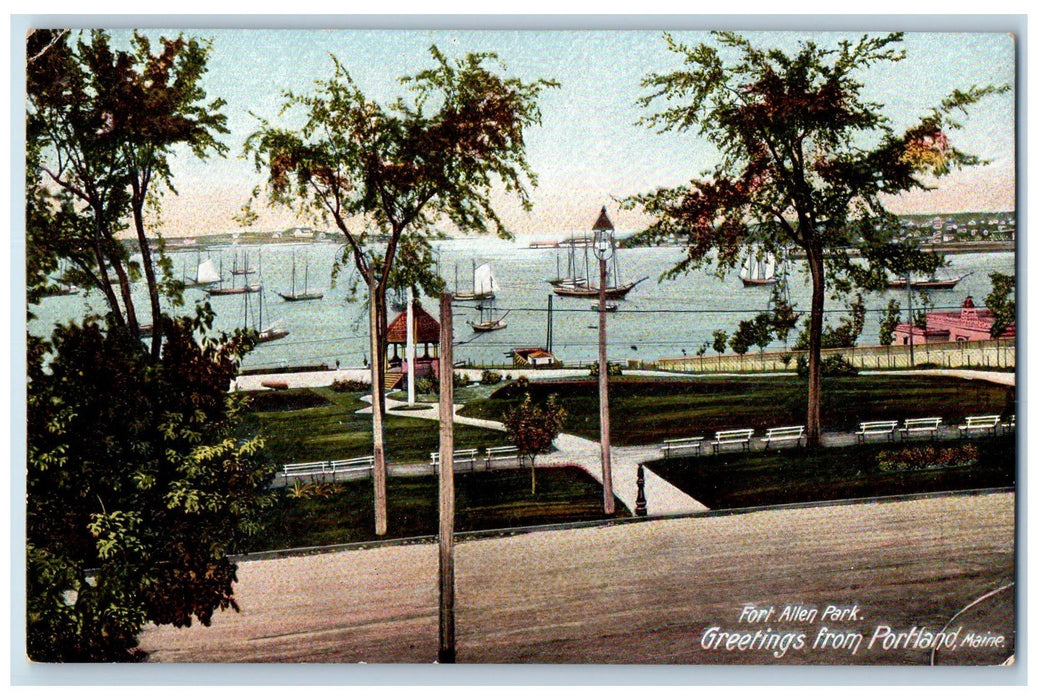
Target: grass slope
x=653, y=409
x=343, y=512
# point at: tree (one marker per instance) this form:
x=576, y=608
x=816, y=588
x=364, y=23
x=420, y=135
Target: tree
x=720, y=341
x=1001, y=302
x=102, y=124
x=392, y=172
x=741, y=338
x=805, y=159
x=137, y=489
x=532, y=428
x=891, y=318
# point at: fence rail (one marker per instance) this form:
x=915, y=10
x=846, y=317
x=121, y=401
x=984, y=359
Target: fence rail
x=978, y=353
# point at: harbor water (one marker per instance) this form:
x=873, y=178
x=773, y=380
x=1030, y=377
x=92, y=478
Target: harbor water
x=660, y=317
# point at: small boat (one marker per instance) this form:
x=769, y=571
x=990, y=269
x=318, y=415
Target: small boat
x=758, y=272
x=931, y=283
x=306, y=293
x=486, y=325
x=609, y=307
x=484, y=284
x=242, y=267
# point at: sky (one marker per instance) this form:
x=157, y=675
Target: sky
x=589, y=150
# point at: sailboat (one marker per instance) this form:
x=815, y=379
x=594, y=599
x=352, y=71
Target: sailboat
x=574, y=286
x=758, y=271
x=246, y=288
x=205, y=275
x=487, y=322
x=266, y=333
x=484, y=283
x=306, y=293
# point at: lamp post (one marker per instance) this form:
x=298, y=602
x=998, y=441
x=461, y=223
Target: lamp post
x=603, y=247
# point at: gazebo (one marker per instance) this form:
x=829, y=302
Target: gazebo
x=426, y=336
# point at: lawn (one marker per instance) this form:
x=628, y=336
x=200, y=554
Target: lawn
x=306, y=425
x=653, y=409
x=797, y=475
x=342, y=513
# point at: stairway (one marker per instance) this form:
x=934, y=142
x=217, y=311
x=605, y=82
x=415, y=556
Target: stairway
x=392, y=379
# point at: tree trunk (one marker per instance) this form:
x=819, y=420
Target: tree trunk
x=377, y=299
x=149, y=274
x=814, y=346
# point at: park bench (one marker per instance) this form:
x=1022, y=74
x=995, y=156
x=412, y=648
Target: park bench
x=461, y=457
x=681, y=445
x=506, y=454
x=732, y=437
x=331, y=468
x=1009, y=424
x=988, y=423
x=876, y=427
x=921, y=425
x=789, y=432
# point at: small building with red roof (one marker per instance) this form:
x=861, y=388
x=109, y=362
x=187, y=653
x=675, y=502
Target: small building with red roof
x=426, y=336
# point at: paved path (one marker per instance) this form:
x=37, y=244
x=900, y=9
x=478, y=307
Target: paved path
x=638, y=593
x=662, y=497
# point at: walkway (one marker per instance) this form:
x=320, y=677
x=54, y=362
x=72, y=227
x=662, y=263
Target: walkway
x=661, y=496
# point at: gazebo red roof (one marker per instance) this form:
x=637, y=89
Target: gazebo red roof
x=427, y=327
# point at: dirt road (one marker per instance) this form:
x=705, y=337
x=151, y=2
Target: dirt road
x=704, y=590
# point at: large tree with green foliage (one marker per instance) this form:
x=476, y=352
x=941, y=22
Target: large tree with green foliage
x=102, y=124
x=385, y=174
x=805, y=161
x=139, y=486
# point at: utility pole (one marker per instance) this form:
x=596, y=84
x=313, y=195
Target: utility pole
x=446, y=653
x=603, y=244
x=410, y=346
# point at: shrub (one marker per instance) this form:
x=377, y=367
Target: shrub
x=427, y=385
x=832, y=366
x=349, y=385
x=927, y=457
x=490, y=377
x=613, y=369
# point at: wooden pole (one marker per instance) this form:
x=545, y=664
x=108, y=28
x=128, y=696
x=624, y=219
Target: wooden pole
x=410, y=346
x=603, y=391
x=446, y=653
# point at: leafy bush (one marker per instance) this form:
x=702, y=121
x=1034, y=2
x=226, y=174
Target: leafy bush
x=427, y=385
x=613, y=369
x=832, y=366
x=490, y=377
x=349, y=385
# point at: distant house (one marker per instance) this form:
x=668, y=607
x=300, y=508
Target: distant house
x=968, y=323
x=533, y=357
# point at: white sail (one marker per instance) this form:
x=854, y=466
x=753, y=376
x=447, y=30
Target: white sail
x=484, y=280
x=207, y=273
x=769, y=268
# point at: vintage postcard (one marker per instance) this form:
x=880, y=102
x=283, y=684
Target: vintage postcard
x=686, y=345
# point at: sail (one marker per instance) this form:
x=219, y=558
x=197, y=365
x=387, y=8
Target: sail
x=484, y=280
x=769, y=268
x=207, y=273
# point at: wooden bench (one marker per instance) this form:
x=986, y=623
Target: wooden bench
x=876, y=427
x=789, y=432
x=988, y=423
x=732, y=437
x=460, y=457
x=921, y=425
x=506, y=454
x=682, y=444
x=324, y=470
x=1009, y=424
